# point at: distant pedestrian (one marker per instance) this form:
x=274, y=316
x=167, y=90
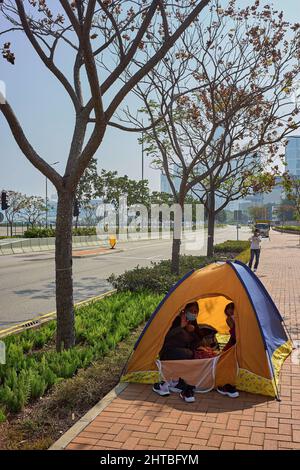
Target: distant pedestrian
x=255, y=249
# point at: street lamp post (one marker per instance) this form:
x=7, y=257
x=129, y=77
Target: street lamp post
x=52, y=164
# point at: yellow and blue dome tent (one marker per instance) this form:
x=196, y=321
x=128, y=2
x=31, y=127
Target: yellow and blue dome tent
x=262, y=344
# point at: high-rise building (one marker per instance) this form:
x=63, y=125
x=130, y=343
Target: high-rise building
x=292, y=155
x=165, y=185
x=277, y=193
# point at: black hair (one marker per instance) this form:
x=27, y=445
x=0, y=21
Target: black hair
x=190, y=305
x=230, y=305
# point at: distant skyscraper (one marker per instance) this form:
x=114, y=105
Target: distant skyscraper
x=277, y=193
x=165, y=186
x=292, y=155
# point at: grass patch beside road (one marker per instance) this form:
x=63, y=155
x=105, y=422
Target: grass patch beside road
x=45, y=420
x=33, y=365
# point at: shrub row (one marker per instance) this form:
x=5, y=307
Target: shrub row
x=232, y=246
x=293, y=228
x=50, y=232
x=159, y=278
x=32, y=364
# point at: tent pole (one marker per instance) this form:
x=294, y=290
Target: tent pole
x=277, y=396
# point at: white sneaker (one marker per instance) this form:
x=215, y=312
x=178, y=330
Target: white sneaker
x=188, y=395
x=177, y=386
x=228, y=390
x=161, y=388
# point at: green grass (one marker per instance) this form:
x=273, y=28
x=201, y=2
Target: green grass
x=244, y=256
x=33, y=366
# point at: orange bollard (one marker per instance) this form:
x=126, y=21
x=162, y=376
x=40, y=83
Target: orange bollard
x=112, y=241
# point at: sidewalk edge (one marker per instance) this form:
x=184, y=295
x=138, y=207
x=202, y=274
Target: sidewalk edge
x=83, y=422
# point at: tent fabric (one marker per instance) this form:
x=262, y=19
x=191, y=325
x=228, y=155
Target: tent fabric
x=212, y=312
x=261, y=338
x=201, y=373
x=270, y=322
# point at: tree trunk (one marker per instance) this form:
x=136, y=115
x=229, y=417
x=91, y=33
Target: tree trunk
x=175, y=255
x=211, y=224
x=65, y=337
x=11, y=229
x=177, y=234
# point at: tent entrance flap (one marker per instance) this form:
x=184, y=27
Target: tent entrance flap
x=200, y=373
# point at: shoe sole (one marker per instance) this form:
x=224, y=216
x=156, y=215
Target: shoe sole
x=231, y=395
x=175, y=390
x=162, y=394
x=188, y=400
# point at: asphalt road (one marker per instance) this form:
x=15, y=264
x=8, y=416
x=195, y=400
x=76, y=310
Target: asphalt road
x=27, y=287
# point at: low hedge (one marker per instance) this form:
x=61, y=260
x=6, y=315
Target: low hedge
x=236, y=246
x=158, y=277
x=33, y=365
x=50, y=232
x=292, y=228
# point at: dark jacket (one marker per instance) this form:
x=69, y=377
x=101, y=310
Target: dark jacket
x=179, y=337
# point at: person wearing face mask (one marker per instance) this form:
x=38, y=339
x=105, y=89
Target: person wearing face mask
x=181, y=337
x=178, y=345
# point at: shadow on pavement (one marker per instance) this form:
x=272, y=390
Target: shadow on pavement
x=208, y=403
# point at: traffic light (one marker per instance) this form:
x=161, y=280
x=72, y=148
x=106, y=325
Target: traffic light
x=76, y=208
x=4, y=204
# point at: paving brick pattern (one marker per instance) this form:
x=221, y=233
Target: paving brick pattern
x=140, y=419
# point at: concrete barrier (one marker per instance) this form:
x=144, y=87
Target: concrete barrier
x=26, y=246
x=44, y=244
x=16, y=248
x=51, y=243
x=6, y=249
x=48, y=244
x=36, y=245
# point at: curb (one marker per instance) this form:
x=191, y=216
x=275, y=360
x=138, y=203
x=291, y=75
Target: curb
x=38, y=321
x=83, y=422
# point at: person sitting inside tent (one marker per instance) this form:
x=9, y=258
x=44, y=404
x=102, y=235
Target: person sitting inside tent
x=229, y=312
x=183, y=335
x=207, y=346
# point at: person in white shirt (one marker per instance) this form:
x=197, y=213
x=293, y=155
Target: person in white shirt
x=255, y=249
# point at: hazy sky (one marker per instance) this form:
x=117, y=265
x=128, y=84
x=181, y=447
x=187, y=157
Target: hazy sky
x=47, y=116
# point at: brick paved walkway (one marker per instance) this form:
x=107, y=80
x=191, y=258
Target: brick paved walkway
x=140, y=419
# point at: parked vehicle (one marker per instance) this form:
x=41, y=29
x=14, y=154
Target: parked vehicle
x=264, y=227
